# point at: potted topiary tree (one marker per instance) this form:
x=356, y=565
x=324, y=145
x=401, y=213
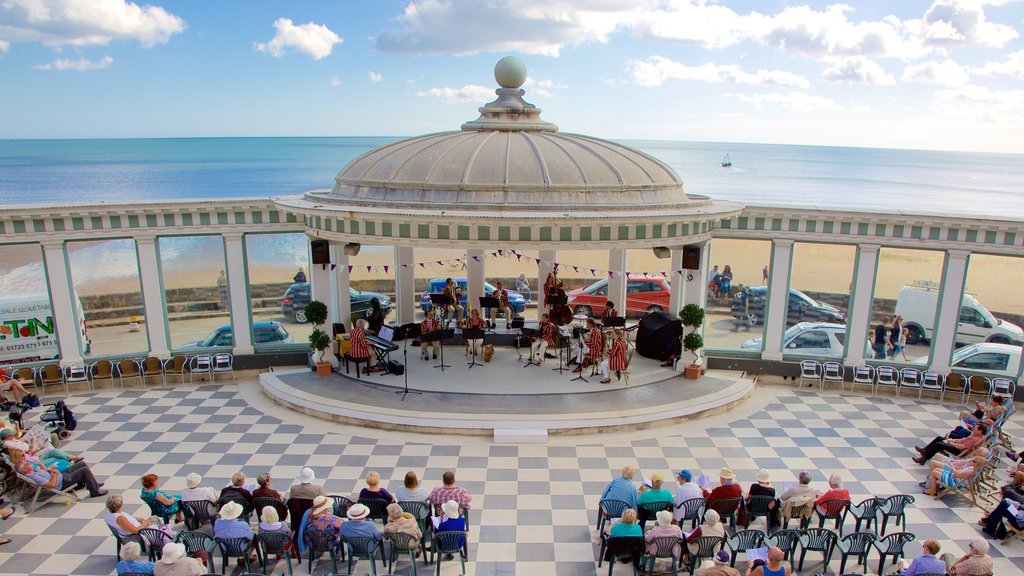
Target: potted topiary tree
x=692, y=316
x=316, y=313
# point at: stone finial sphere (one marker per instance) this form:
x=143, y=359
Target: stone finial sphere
x=510, y=72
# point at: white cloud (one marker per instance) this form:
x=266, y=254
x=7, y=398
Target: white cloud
x=375, y=76
x=542, y=88
x=858, y=69
x=85, y=22
x=657, y=69
x=980, y=103
x=4, y=45
x=80, y=65
x=1012, y=67
x=963, y=23
x=315, y=40
x=708, y=25
x=946, y=73
x=795, y=101
x=861, y=108
x=335, y=81
x=467, y=93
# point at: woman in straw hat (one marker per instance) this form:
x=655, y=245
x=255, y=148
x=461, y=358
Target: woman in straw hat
x=174, y=562
x=321, y=518
x=228, y=525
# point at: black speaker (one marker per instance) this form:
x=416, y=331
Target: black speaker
x=655, y=334
x=691, y=257
x=321, y=250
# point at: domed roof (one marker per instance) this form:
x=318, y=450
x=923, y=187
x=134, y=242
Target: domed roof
x=507, y=159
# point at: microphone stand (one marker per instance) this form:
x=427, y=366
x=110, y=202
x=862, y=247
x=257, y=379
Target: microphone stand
x=578, y=332
x=530, y=334
x=409, y=331
x=473, y=334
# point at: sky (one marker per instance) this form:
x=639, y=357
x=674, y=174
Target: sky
x=929, y=74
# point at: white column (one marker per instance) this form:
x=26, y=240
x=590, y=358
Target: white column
x=693, y=282
x=152, y=296
x=320, y=283
x=778, y=298
x=677, y=283
x=342, y=301
x=405, y=289
x=474, y=279
x=547, y=259
x=617, y=261
x=947, y=315
x=238, y=286
x=858, y=319
x=65, y=320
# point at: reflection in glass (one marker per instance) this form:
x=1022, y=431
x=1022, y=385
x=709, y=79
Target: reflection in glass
x=195, y=288
x=992, y=311
x=278, y=270
x=105, y=275
x=373, y=276
x=907, y=285
x=27, y=328
x=737, y=294
x=819, y=296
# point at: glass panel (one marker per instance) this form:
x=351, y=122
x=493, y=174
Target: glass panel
x=195, y=288
x=650, y=292
x=518, y=276
x=369, y=280
x=105, y=274
x=278, y=267
x=906, y=285
x=737, y=294
x=438, y=265
x=993, y=306
x=819, y=295
x=27, y=329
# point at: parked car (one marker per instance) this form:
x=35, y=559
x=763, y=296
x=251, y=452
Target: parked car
x=516, y=300
x=297, y=296
x=265, y=331
x=917, y=305
x=823, y=339
x=643, y=296
x=801, y=308
x=992, y=359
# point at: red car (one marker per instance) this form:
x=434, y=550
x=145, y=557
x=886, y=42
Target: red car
x=642, y=297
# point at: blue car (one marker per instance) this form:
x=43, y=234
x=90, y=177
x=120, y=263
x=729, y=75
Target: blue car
x=436, y=286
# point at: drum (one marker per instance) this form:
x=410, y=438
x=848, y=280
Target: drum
x=488, y=352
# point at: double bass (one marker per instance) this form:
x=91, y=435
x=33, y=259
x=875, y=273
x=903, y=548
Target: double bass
x=559, y=313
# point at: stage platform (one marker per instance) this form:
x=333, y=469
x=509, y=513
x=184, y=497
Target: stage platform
x=503, y=398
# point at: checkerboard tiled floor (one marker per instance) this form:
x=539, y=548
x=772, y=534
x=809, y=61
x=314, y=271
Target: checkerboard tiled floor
x=535, y=503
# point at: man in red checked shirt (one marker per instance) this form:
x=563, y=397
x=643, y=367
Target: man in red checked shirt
x=449, y=491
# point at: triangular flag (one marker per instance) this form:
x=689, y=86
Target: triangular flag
x=575, y=268
x=500, y=252
x=476, y=258
x=350, y=268
x=664, y=274
x=611, y=274
x=423, y=264
x=593, y=272
x=385, y=269
x=494, y=254
x=333, y=266
x=439, y=263
x=538, y=261
x=519, y=257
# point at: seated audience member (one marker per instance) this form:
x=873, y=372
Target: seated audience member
x=77, y=475
x=711, y=526
x=265, y=491
x=992, y=411
x=373, y=490
x=685, y=490
x=622, y=488
x=270, y=522
x=625, y=526
x=321, y=519
x=411, y=491
x=720, y=566
x=962, y=432
x=727, y=488
x=229, y=526
x=130, y=560
x=653, y=495
x=357, y=526
x=926, y=563
x=11, y=384
x=402, y=522
x=798, y=501
x=663, y=528
x=174, y=562
x=763, y=487
x=958, y=446
x=42, y=454
x=305, y=487
x=993, y=525
x=237, y=489
x=194, y=490
x=123, y=523
x=976, y=562
x=951, y=470
x=835, y=492
x=151, y=490
x=449, y=491
x=774, y=566
x=451, y=521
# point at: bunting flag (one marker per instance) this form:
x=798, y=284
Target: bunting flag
x=476, y=258
x=333, y=266
x=499, y=252
x=538, y=261
x=593, y=272
x=611, y=274
x=350, y=268
x=385, y=269
x=576, y=269
x=423, y=265
x=519, y=257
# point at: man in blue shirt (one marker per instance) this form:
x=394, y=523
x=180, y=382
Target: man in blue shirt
x=927, y=563
x=358, y=527
x=622, y=488
x=228, y=525
x=76, y=474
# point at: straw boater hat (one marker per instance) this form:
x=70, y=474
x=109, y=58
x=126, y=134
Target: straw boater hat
x=450, y=509
x=193, y=480
x=358, y=512
x=763, y=477
x=230, y=510
x=172, y=552
x=306, y=475
x=321, y=503
x=727, y=474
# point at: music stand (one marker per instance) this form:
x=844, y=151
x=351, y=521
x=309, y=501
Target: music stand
x=561, y=349
x=407, y=332
x=473, y=334
x=441, y=300
x=530, y=334
x=577, y=332
x=488, y=302
x=440, y=336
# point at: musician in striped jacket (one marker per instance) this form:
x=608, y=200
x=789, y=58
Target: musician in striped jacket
x=429, y=324
x=616, y=358
x=358, y=348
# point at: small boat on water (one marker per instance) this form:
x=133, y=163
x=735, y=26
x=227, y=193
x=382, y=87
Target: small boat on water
x=726, y=162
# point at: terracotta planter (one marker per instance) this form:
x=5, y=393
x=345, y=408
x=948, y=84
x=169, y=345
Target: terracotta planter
x=323, y=369
x=693, y=372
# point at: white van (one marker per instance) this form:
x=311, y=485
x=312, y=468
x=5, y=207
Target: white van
x=27, y=332
x=918, y=303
